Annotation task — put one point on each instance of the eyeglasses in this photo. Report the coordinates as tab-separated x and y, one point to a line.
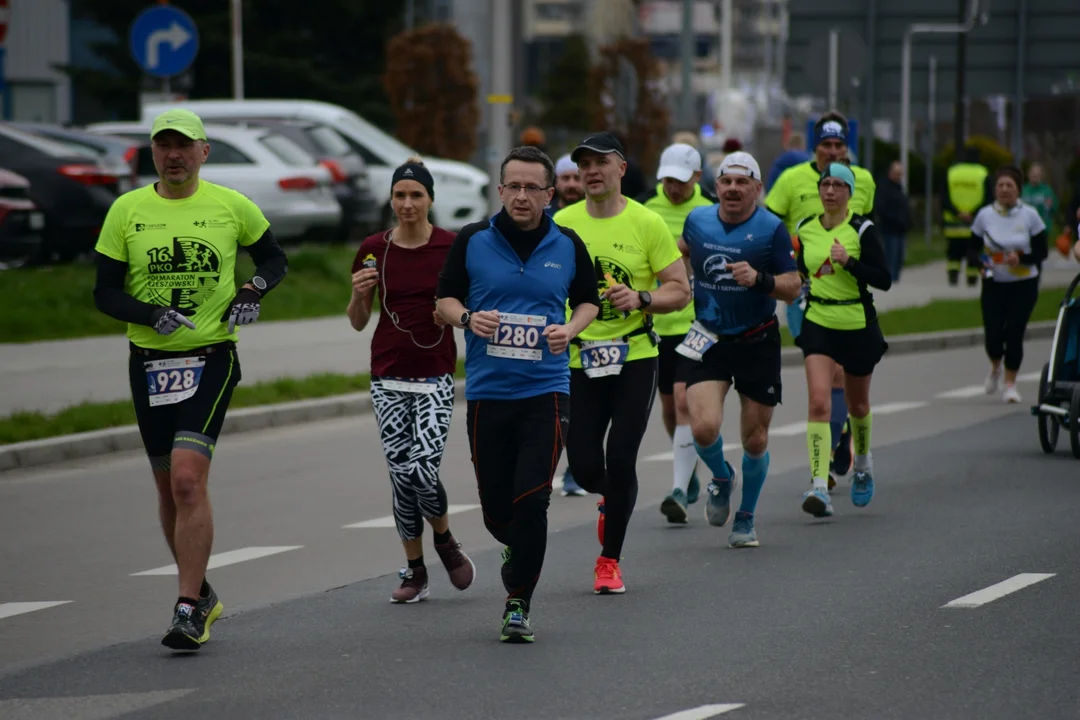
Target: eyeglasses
834	184
515	189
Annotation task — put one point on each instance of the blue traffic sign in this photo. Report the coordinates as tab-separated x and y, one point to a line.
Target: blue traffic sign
164	40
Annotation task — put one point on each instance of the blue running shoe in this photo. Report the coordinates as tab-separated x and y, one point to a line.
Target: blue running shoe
718	506
674	507
570	488
817	502
693	490
862	488
742	531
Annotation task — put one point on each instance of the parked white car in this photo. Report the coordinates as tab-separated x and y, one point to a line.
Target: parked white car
460	189
293	190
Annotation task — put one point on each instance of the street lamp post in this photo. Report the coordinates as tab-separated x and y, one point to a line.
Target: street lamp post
905	79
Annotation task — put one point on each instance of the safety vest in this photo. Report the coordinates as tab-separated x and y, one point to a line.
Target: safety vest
967	193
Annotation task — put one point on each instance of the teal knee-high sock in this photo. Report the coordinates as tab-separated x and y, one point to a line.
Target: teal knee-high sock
754	470
713	457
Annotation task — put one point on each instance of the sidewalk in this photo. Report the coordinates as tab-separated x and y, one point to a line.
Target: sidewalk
49	376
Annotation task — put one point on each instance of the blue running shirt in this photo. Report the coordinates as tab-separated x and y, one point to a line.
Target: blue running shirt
720	304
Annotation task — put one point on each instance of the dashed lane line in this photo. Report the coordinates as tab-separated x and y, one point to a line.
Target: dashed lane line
227	558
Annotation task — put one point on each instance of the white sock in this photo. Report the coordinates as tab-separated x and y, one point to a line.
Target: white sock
685	457
864	463
821	483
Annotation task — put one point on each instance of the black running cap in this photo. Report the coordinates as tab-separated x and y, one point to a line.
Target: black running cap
602	143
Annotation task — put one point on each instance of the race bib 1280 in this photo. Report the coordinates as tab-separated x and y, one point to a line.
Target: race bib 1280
601	358
697	342
173	380
518	337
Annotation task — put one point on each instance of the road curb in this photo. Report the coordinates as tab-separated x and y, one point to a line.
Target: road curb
36	453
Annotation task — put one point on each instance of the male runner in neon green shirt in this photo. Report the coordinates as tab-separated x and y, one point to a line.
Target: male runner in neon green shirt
166	266
677	193
613	362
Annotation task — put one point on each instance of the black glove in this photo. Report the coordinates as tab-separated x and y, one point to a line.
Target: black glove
167	320
244	309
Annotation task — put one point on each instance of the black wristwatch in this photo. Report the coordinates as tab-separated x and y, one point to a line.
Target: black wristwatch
465	318
645	298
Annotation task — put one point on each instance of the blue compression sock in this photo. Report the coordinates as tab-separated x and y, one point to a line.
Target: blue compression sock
754	471
839	415
713	457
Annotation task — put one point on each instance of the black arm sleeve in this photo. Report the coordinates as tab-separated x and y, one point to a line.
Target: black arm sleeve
270	261
1040	249
111	298
583	286
454	278
871	268
976	245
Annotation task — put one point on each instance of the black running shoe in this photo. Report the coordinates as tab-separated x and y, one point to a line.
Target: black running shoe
186	630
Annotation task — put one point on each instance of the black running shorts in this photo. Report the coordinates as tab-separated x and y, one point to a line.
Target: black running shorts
752	366
857	351
201	383
669	365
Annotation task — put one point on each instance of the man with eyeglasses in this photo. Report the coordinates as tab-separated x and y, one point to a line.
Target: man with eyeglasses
613	374
507	281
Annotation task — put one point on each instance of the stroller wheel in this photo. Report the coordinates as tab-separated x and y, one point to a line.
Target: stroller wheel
1048	424
1074	422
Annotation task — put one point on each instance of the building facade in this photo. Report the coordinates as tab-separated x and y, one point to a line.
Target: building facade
38	44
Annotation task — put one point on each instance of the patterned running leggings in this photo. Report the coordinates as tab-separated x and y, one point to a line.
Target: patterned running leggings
413	427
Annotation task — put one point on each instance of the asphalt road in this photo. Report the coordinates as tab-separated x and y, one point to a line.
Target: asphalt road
836	618
50	376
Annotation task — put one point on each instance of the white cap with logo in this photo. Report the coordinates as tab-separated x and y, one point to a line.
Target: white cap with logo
740	163
679	161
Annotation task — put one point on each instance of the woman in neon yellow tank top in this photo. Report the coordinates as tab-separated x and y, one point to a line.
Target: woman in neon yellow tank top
841	256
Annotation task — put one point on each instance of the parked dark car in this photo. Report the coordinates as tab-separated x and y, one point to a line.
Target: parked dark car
21	222
114	153
359	208
73	190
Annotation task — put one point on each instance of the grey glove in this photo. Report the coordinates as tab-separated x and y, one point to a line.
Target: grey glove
167	320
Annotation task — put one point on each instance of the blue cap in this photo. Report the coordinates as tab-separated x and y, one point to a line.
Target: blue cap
830	129
841	171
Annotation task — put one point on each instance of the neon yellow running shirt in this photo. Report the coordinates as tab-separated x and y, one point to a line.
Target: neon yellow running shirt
182	253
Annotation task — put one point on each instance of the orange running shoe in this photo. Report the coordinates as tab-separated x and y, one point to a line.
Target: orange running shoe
608	577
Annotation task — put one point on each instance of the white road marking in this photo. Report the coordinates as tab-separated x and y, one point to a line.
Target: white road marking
703	712
897	407
1000	590
799	428
12	609
227	558
969	391
388	521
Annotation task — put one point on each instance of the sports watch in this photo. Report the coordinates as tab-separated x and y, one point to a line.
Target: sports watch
465	318
645	298
259	284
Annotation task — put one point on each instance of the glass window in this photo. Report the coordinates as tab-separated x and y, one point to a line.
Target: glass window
328	141
289	152
222	153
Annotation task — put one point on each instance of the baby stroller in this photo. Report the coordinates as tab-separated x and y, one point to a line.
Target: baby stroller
1059	385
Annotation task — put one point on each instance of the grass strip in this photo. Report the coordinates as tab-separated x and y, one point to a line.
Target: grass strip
56	302
23	426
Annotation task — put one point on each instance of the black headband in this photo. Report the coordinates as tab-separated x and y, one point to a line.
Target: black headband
417	172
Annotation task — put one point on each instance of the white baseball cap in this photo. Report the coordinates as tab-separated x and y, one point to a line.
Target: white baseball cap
565	165
679	161
739	163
